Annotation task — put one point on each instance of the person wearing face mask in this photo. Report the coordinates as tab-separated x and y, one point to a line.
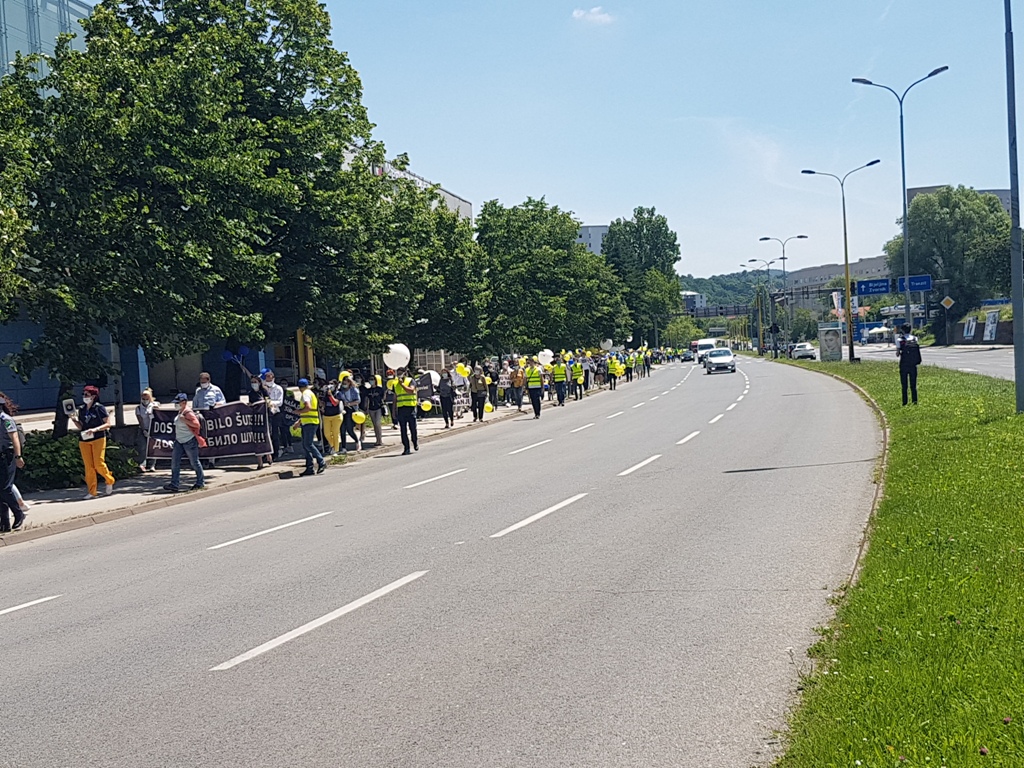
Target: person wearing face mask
348	395
208	395
279	433
446	391
255	396
93	423
331	416
372	404
187	442
478	392
144	415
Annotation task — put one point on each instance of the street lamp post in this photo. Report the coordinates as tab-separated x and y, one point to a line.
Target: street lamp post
771	310
785	282
760	313
903	162
846	247
1016	260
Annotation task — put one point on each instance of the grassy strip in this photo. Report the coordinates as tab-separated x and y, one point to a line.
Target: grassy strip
924	664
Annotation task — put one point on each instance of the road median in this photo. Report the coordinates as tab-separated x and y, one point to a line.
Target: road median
921	665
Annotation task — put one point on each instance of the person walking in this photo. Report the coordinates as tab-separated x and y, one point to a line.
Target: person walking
908	350
372	404
348	395
478	392
518	379
560	376
255	395
144	416
535	384
10	462
93	423
405	405
613	372
492	385
280	435
446	391
188	439
505	383
331	417
309	419
630	359
577	375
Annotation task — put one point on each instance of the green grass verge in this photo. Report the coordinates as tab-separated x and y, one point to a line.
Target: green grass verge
925	658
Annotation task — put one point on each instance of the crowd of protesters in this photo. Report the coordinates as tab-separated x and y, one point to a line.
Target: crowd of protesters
326	417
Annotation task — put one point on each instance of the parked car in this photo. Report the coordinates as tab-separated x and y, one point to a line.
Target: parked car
719	360
687	356
805	351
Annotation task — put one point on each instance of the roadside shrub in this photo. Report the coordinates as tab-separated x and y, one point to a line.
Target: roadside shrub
51	464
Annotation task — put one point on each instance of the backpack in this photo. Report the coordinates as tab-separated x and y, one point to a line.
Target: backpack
911	351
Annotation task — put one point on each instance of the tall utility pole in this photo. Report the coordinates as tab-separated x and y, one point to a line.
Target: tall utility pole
785	282
1016	262
846	250
903	162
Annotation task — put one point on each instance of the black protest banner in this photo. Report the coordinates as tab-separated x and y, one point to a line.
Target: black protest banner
424	387
230	430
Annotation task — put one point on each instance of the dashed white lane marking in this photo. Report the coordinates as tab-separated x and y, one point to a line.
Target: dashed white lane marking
740	398
616	414
30	604
271	644
269	530
733	405
643	463
439	477
535	445
688	438
665	392
716	418
580	429
654	398
538	516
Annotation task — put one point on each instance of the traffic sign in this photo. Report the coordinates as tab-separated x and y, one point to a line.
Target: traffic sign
917	283
873	287
947	303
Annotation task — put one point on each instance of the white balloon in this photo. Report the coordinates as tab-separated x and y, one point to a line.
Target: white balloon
545	356
435	377
630	338
607	344
397	356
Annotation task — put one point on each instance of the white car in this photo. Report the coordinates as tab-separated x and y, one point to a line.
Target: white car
719	360
805	351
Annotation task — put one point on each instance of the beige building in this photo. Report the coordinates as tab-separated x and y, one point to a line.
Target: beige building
803	284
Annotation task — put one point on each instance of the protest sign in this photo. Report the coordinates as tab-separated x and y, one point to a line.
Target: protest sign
230	430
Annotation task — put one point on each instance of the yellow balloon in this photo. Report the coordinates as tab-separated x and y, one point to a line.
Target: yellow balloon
579	379
358	417
425	405
522	362
488	379
462	370
547	367
488	407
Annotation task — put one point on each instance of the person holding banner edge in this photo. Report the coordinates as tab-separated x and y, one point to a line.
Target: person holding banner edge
187	441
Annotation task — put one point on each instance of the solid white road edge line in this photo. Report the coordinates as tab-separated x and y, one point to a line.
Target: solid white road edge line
716	418
688	438
270	645
643	463
580	429
439	477
538	516
269	530
733	405
616	414
520	450
29	605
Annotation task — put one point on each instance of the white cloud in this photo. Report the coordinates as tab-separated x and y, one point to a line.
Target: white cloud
596	15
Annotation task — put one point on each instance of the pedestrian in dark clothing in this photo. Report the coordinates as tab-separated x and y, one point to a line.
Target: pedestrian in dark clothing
908	350
446	391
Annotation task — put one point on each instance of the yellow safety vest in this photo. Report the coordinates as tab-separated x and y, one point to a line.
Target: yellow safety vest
533	378
313	416
577	370
404	398
559	371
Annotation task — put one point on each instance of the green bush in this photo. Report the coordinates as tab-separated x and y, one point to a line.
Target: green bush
53	463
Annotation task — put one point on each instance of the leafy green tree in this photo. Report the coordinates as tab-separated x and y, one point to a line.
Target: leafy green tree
960	235
805	325
643	251
680	331
543	289
732	288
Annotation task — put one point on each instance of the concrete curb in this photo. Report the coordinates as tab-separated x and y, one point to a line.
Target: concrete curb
171	500
882	466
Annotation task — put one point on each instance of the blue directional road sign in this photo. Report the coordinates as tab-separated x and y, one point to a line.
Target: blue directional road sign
917	283
873	287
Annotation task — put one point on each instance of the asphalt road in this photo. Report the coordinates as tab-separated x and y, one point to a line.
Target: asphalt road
656	615
990	361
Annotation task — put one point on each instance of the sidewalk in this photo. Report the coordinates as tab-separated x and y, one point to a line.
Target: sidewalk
64	509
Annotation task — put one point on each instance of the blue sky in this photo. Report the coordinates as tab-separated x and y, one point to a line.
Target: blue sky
705	109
